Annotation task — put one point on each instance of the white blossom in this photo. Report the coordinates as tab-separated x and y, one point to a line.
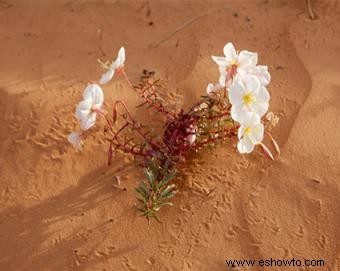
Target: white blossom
261	72
86	109
246	94
234	63
115	65
75	139
192	134
250	132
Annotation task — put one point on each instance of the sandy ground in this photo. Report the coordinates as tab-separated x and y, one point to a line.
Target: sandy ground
59	210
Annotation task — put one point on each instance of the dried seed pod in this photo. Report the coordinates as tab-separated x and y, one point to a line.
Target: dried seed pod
266	152
275	145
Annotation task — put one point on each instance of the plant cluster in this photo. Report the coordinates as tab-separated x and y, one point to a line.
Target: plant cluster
235	107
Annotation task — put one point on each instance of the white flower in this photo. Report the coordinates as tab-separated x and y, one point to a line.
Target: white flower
85	111
233	63
192	134
212	87
115	65
250	133
262	74
75	139
247	95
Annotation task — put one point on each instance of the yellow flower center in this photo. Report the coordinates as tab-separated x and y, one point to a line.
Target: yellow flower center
248	99
234	63
247	131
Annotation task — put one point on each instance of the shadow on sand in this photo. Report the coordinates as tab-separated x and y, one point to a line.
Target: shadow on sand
24	231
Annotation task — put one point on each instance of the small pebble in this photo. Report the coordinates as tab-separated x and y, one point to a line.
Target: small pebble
316	180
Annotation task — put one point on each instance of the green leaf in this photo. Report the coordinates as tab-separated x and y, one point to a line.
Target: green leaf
165	203
169	176
167	191
150	177
154	168
169	195
166	179
143	190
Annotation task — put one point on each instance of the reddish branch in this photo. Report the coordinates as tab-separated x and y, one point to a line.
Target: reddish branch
134	125
147	97
216	135
179	127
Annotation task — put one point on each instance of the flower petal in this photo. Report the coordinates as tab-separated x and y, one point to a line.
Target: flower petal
236	92
95	93
220	61
257	133
83	109
73	137
249	119
192	134
88	121
261	104
238	111
240	131
260	108
263	95
120	58
252	83
247	59
75	140
230	52
245	145
106	77
222	79
262	73
191	138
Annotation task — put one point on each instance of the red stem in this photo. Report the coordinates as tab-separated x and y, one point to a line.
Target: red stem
118	145
219	115
135	124
159	107
127	149
229	132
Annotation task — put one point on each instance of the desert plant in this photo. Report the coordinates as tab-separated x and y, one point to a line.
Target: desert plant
233	107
